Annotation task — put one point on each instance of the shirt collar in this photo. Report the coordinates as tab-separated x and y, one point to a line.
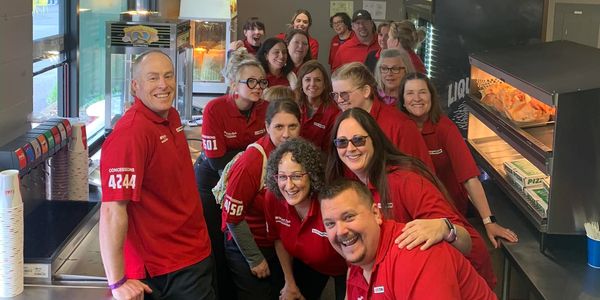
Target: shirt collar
428	127
138	105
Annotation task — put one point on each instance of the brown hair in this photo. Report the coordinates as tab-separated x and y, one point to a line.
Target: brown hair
406	32
278	92
307	68
436	110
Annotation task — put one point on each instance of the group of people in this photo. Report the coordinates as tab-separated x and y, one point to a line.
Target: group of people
356	176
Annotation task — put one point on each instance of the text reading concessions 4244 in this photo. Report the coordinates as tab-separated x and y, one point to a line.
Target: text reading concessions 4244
121	178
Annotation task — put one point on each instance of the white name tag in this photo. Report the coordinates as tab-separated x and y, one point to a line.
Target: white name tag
378	290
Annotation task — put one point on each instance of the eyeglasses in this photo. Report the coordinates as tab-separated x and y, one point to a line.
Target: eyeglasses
253	82
296	177
344	95
357	141
394	70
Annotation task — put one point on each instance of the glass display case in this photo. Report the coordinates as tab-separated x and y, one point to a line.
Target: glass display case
211	42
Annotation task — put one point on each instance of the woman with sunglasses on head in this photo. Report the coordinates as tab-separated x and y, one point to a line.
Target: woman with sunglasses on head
297	42
294	177
318	111
404	188
389	71
453	161
274	58
302	20
250	255
230	123
354	87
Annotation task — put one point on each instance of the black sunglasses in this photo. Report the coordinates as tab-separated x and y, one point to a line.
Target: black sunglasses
357	141
253	82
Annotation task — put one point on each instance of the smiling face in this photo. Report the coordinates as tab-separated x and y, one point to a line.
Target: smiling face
298	48
295	192
390	80
417	99
352	227
338	25
382	36
357	96
284	126
363	30
301	22
245	93
277	57
313	85
154	83
355	158
254	36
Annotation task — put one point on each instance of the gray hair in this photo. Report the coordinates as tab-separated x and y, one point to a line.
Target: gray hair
393	53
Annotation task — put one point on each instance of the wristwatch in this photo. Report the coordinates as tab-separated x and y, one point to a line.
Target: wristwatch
451	237
488	220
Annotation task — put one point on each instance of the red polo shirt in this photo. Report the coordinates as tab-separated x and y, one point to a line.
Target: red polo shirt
353	50
417	62
439	272
277	80
402	131
335	44
414	197
317	128
305	239
224	128
312	43
251	49
453	161
242	199
146	159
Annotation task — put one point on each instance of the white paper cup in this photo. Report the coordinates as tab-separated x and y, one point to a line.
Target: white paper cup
10	191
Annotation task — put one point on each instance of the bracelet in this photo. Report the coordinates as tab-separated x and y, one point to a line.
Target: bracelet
118	284
451	238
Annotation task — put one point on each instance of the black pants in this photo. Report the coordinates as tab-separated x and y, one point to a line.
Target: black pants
250	287
206	179
311	283
194	283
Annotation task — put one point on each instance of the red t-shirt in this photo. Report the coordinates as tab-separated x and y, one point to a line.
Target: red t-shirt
146	159
277	80
305	239
439	272
336	42
317	129
225	129
402	131
242	199
414	197
312	43
453	161
251	49
353	50
417	62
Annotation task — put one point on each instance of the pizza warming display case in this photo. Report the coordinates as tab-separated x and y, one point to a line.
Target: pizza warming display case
535	127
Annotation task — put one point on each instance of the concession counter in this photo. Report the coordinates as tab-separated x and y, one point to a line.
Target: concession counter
534	126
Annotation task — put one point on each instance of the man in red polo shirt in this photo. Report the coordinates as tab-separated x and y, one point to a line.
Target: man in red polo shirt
153	237
363	41
381	270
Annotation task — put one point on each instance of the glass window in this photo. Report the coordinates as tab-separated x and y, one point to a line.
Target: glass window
45	95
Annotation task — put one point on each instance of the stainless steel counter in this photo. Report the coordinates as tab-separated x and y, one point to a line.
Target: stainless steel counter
559	273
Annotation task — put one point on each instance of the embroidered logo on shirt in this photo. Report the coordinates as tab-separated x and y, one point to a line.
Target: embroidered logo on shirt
282	221
179	129
319	125
378	290
436	152
164	138
319	233
260	132
230	135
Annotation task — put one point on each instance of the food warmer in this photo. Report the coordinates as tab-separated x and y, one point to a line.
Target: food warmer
537	107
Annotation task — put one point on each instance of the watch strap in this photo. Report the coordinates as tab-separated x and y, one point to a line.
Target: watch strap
488	220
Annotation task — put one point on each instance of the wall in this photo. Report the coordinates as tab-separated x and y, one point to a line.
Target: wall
277	13
16	87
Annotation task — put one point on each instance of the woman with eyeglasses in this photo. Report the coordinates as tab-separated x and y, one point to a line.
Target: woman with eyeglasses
251	258
453	161
405	36
354	87
298	50
274	58
318	111
294	177
230	123
404	188
342	25
302	20
389	71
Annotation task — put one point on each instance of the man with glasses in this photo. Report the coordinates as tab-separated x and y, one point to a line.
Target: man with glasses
363	41
153	237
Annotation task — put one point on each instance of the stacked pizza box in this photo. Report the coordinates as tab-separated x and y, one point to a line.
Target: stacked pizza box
534	184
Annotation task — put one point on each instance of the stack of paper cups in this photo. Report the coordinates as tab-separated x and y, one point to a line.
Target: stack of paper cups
57	176
11	234
78	164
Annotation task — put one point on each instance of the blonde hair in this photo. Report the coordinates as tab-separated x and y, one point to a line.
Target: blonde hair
278	92
358	74
406	32
238	60
393	53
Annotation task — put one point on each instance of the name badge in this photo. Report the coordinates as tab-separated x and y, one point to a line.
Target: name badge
378	290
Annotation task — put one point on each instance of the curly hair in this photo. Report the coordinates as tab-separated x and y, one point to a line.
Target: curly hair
304	153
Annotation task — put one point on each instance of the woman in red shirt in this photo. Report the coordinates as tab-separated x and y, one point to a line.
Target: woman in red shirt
389	71
405	189
404	35
294	177
297	43
302	20
274	58
251	257
342	25
318	111
453	161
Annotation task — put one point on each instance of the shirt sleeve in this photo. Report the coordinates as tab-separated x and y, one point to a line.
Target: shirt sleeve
213	141
122	165
460	157
242	185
